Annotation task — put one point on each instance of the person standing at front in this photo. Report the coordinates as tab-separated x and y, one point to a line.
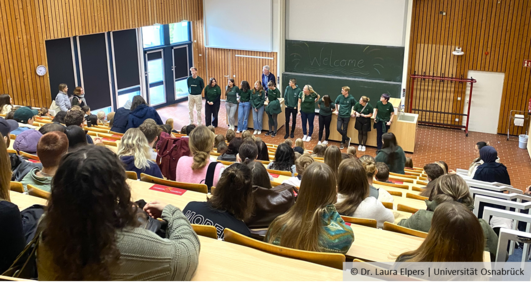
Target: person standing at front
345	102
267	77
244	106
363	112
195	88
231	105
273	108
213	96
383	115
291	99
326	106
257	102
307	101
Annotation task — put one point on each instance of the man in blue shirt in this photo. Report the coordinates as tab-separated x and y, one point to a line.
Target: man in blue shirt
267	76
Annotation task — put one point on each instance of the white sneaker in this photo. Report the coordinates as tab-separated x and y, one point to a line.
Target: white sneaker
238	132
363	150
309	138
304	138
256	131
360	148
319	143
325	143
259	132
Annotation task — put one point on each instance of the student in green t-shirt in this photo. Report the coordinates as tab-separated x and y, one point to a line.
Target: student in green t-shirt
257	103
212	103
244	107
383	115
231	105
326	106
195	88
344	103
307	101
291	99
363	112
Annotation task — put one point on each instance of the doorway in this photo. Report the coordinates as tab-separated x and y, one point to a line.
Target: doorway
486	101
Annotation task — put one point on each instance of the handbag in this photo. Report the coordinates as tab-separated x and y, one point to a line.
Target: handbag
25	265
270	203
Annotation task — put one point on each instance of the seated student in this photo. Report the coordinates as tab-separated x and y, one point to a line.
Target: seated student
77	138
298	150
230	135
232	150
263	153
444	166
478	161
59	117
433	171
152	132
6	104
20	167
299	143
289	142
221	148
370	169
101	117
121	118
91	119
27	141
140	111
51	127
313	223
212	128
183	130
409	163
12	239
25	117
490	170
110	118
43	112
134	151
318	151
10	115
392	154
230	204
195	169
351	152
76	117
382	173
345	156
189	129
284	159
247	151
450	188
260	175
455	235
51	149
301	164
90	193
169	122
332	158
247	134
218	139
353	194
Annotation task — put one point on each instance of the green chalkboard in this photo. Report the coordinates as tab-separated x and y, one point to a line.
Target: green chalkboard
332	86
382	63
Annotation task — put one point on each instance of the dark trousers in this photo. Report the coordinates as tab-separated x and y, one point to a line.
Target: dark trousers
293	112
307	118
273	123
324	124
342	127
379	133
211	114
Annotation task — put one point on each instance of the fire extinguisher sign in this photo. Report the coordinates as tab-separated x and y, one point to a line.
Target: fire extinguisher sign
527	63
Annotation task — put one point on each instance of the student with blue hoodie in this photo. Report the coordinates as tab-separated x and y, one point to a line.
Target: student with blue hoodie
140	111
121	117
135	153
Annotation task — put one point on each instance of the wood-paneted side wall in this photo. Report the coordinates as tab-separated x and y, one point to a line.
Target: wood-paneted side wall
495	36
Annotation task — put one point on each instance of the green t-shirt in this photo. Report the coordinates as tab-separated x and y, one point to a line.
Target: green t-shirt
323	110
232	95
368	108
195	86
44	183
292	96
384	111
245	96
345	105
212	94
308	102
257	99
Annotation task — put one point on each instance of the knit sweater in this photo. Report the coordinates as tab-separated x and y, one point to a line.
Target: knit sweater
336	236
144	255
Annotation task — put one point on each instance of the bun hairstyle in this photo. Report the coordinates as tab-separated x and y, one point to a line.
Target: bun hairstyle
201	142
365	99
302	163
369	164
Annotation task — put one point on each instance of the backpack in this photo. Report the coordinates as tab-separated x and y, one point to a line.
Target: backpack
169	151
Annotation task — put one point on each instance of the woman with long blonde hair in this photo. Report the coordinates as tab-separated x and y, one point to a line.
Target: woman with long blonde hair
257	104
332	158
313	223
455	235
307	102
195	169
135	153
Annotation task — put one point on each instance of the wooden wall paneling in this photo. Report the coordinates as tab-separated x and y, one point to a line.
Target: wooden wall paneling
15	57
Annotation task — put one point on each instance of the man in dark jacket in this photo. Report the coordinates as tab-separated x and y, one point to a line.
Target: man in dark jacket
140	114
121	117
267	76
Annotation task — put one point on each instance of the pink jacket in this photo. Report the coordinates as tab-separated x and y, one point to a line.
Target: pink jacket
186	174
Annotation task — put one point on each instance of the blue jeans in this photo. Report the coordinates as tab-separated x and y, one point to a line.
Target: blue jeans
257	118
307	118
243	115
